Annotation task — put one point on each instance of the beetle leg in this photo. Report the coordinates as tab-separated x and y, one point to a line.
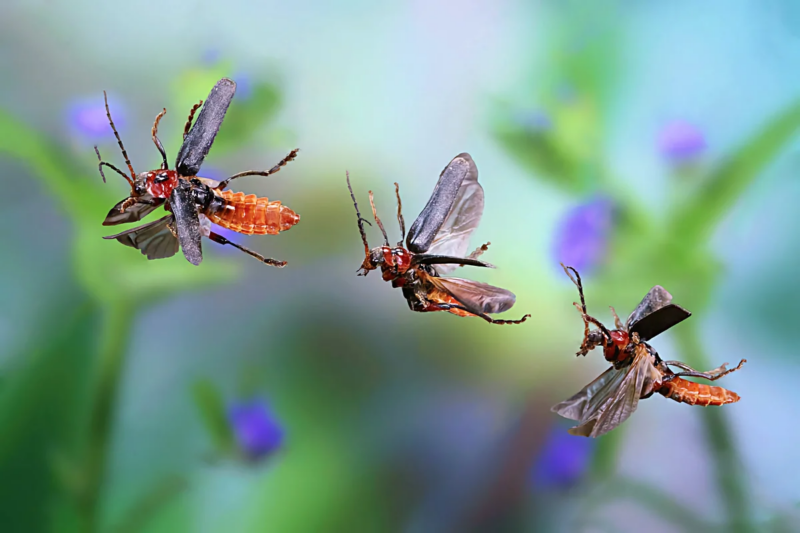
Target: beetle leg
479	251
222	240
446	307
711	375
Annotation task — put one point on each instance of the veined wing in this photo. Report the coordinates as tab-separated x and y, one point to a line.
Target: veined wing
154	240
610	399
187	222
475	296
134	212
200	138
464	217
452	212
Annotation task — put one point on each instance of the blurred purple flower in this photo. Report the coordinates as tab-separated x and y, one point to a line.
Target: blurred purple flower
582	235
244	85
211	56
86	118
536	120
255	428
562	460
679	141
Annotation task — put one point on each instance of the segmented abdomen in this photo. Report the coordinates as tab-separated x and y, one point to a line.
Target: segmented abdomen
251	215
684	391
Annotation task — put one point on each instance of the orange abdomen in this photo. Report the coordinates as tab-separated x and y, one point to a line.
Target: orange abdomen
442	297
251	215
684	391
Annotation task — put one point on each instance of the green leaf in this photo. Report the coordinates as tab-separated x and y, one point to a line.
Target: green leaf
211	408
696	219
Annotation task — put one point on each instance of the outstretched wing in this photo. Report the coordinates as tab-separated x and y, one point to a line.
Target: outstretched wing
655	314
200	138
659	321
187	222
154	240
475	296
611	398
133	213
452	212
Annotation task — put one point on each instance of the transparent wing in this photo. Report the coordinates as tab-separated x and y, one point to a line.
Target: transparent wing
610	399
475	296
462	220
657	298
132	213
154	240
452	212
201	136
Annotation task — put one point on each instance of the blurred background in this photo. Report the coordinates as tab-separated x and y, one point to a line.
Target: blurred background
643	143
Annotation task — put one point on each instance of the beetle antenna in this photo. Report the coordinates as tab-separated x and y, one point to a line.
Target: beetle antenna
576	279
109	165
154	133
378	220
361	221
400	218
121	147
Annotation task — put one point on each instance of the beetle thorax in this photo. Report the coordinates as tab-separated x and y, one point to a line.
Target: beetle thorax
159	183
396	262
615	350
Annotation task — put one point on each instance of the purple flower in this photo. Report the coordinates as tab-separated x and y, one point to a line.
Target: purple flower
562	460
86	118
255	428
244	85
679	141
582	235
536	120
211	56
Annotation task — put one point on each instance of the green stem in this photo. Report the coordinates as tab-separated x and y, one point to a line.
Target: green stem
111	356
731	481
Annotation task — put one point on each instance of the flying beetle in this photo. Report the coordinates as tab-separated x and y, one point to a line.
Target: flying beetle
637	371
437	244
193	203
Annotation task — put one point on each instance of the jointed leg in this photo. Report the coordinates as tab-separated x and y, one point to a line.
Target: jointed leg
188	125
222	240
479	251
273	170
157	142
711	375
432	306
